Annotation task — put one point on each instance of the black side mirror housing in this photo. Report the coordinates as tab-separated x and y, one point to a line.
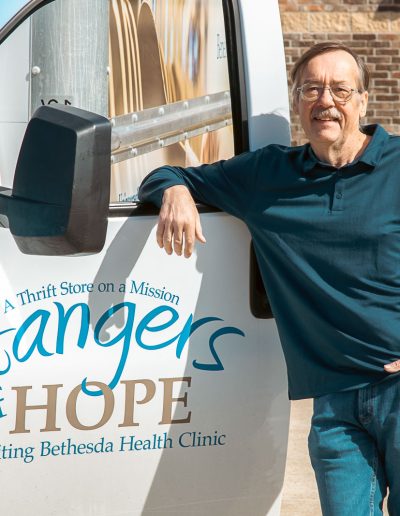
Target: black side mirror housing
60	197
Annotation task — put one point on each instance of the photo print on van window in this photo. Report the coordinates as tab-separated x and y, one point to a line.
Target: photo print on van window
165	52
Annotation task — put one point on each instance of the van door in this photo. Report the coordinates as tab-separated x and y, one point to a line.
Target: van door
133	382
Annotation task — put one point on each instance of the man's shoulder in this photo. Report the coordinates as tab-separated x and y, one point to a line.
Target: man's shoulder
394	139
392	147
388	140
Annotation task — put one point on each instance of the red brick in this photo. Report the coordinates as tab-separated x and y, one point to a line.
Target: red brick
341	37
364	37
379	91
389	8
384	67
380	105
292	52
361	50
381	59
387	52
376	44
379	75
386	82
387	97
294	37
388	37
386	113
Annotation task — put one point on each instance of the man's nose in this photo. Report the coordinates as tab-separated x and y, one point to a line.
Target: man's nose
326	97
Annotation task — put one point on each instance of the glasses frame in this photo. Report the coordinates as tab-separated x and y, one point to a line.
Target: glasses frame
321	89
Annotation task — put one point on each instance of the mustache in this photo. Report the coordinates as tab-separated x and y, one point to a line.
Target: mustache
327	113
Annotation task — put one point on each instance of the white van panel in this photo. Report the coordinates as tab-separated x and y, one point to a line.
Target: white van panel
14	86
242	408
266	82
14	94
11	136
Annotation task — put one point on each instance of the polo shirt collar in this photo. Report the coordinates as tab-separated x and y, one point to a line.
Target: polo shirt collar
373	152
370	156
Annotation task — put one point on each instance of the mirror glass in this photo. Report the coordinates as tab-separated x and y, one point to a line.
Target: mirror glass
9	8
158	68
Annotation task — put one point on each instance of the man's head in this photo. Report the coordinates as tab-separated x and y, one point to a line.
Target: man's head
330	84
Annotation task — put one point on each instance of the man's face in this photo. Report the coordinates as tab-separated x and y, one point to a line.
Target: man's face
326	120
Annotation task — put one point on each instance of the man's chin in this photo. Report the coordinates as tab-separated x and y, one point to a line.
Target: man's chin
325	132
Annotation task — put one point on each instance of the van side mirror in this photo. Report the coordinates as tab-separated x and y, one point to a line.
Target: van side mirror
60	197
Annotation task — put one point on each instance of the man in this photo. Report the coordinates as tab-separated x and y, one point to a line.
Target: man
325	221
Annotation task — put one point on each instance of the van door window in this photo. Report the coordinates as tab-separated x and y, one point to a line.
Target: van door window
157	68
168	88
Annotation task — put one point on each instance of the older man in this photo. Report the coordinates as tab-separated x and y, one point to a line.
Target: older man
325	221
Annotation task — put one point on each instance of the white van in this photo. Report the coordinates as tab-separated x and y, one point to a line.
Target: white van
132	382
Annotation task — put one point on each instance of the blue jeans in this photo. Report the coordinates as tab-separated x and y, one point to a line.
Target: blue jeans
354	446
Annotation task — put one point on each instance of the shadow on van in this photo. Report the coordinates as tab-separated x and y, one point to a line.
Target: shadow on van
229	459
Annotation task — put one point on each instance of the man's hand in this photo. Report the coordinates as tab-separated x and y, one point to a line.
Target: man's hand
393	367
179	222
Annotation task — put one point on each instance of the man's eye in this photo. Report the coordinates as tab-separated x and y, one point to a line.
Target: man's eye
341	90
312	89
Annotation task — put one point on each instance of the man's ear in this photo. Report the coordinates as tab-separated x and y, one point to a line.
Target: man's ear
364	103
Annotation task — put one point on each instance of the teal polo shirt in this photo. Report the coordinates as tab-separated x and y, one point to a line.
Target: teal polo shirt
328	245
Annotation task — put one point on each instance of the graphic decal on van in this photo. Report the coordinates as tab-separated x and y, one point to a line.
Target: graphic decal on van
56	327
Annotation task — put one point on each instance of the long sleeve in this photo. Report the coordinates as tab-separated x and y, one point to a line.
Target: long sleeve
228	185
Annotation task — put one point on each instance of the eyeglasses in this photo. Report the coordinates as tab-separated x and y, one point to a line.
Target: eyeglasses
311	92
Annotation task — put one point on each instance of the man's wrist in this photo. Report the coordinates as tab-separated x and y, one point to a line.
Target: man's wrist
172	190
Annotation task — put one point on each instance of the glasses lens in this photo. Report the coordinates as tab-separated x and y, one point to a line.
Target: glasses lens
341	92
313	91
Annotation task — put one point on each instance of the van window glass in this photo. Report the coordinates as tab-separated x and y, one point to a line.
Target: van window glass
168	74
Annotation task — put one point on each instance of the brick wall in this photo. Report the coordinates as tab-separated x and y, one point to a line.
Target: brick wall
370	27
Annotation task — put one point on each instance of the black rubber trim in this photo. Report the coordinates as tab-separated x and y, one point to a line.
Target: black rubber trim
236	68
259	303
21	16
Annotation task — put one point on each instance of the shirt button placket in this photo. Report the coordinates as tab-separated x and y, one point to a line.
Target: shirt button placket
337	204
